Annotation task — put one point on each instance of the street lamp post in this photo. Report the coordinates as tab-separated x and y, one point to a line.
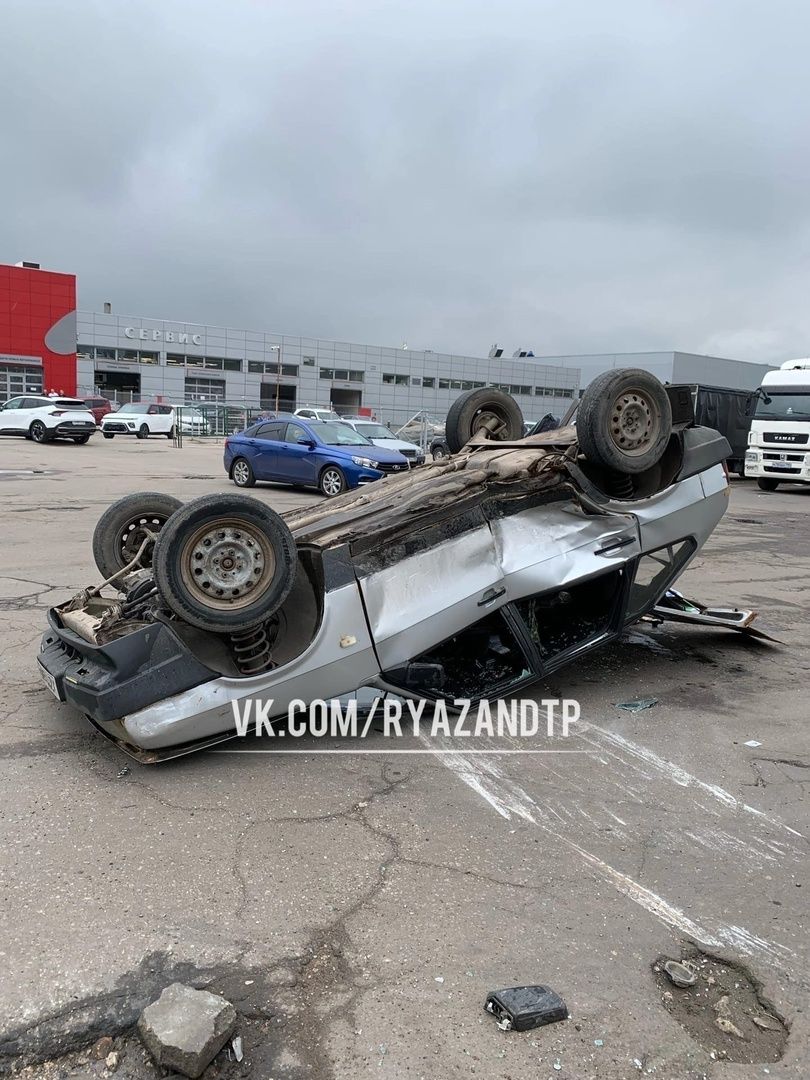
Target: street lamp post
278	376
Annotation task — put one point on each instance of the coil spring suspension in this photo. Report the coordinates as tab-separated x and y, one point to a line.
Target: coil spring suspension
620	485
251	648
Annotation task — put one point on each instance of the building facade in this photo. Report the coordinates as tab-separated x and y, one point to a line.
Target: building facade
132	357
672	367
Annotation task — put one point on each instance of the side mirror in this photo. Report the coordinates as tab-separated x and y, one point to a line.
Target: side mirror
306	442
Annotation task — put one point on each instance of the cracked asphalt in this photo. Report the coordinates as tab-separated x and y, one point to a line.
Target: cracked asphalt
357	909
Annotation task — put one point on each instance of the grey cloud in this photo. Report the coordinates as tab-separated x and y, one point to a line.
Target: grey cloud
576	178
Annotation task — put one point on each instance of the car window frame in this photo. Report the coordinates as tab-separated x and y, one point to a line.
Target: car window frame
268	425
295	442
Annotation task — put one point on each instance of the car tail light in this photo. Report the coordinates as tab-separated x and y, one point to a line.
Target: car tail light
58	412
227	442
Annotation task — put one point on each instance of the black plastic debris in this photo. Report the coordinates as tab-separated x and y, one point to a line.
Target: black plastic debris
519	1008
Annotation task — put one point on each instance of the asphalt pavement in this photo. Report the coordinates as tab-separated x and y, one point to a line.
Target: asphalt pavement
358	908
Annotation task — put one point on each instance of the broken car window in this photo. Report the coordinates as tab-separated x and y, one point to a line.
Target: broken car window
654	573
561	620
482	661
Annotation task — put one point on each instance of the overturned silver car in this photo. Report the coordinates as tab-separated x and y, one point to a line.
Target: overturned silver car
471	577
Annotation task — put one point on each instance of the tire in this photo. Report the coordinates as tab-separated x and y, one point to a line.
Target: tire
765	483
439	452
472	410
39	433
242	474
332	482
80	440
624	420
170	433
142	432
120	529
224	562
108	434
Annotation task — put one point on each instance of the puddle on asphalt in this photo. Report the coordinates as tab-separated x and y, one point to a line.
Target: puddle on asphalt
723	1010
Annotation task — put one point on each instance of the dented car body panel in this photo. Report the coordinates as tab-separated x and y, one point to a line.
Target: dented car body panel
507	544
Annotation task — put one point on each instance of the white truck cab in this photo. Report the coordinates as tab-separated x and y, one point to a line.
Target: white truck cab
779	440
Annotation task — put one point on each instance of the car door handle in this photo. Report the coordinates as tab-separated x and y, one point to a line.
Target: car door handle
614	545
490	596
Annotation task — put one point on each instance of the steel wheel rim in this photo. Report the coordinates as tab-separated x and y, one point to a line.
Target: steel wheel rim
227	565
633	419
241	473
332	482
133	534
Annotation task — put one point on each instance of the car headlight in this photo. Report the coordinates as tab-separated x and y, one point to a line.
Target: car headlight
365	462
751	455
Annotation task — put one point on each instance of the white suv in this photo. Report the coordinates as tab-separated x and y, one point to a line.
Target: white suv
316	412
141	419
44	419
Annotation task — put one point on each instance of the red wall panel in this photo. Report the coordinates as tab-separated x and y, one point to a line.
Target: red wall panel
32	302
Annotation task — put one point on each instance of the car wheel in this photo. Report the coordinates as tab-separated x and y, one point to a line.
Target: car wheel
108	434
624	420
142	432
170	433
224	562
439	453
80	440
242	474
764	483
124	526
332	482
486	413
39	433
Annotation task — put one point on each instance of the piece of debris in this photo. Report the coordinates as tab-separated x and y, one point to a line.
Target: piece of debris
728	1026
767	1023
638	705
438	978
122	772
753	742
519	1008
680	974
186	1028
111	1061
236	1043
598	1042
102	1047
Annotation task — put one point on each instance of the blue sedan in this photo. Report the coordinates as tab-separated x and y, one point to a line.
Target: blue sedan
329	456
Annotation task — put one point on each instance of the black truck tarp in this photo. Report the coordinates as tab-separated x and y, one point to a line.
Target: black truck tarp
727	411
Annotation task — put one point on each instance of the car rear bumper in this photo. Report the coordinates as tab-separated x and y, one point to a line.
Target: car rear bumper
74	427
112	680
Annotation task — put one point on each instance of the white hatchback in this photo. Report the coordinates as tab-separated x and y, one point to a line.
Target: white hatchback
141	419
44	419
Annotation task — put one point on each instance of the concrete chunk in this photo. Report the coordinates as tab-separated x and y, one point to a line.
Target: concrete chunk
185	1028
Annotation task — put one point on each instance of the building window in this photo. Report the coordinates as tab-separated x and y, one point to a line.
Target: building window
103	353
175	358
429	383
147	357
326	373
205	389
85	352
416	381
342	374
397	380
309	361
444	384
356	375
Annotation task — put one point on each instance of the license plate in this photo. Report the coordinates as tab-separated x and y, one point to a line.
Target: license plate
49	681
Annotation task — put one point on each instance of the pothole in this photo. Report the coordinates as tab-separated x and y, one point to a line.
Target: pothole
723	1010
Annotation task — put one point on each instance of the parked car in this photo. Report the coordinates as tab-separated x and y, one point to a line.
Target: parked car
331	456
463	580
380	435
141	419
99	407
43	419
316	412
193	421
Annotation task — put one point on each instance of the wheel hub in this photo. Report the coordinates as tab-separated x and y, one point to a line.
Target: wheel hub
227	565
632	422
134	535
489	424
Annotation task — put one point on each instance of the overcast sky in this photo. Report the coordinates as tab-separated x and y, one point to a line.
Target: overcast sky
568	177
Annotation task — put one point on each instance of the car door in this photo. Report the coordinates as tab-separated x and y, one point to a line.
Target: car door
10	416
261	450
297	462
